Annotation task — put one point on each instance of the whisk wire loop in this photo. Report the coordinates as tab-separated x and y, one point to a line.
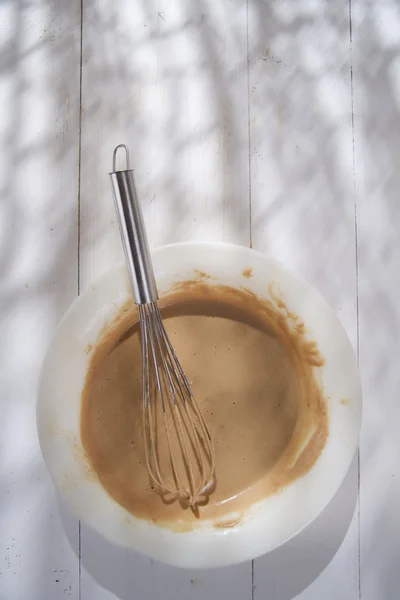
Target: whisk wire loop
190	453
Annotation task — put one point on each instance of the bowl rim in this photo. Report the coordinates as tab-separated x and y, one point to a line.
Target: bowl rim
218	547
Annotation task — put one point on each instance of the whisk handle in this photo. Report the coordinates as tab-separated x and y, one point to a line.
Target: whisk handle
133	234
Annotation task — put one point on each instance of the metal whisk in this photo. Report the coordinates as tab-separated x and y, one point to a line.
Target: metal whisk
178	446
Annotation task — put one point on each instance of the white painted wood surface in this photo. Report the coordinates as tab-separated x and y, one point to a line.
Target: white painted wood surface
39	91
244	127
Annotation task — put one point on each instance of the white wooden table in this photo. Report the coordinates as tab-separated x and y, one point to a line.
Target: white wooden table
272	123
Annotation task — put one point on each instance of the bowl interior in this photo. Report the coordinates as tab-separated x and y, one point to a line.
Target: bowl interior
267	524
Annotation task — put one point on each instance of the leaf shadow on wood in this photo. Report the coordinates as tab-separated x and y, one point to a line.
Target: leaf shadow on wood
39	70
376	34
301	144
174	88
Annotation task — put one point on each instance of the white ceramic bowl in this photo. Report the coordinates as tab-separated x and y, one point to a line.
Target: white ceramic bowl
267	524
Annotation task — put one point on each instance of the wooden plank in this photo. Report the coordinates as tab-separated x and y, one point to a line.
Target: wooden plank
302	213
39	91
376	34
170	79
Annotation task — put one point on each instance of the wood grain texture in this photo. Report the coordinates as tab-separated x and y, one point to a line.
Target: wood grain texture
170	79
376	36
38	221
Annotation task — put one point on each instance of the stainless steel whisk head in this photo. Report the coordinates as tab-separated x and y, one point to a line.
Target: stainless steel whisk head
168	402
178	446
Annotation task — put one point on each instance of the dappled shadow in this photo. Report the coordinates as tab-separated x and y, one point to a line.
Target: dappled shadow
174	87
195	90
301	145
39	69
377	103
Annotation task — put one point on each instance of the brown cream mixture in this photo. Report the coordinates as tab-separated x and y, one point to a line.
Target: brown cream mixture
254	373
